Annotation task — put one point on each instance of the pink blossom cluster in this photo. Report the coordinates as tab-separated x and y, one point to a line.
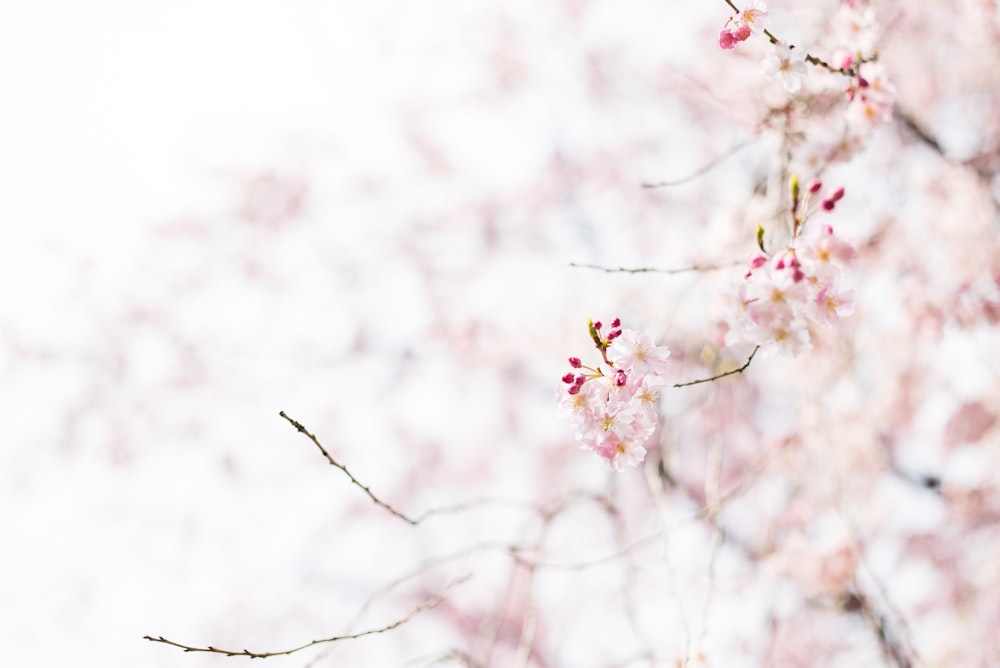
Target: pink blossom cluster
782	294
870	97
613	405
739	27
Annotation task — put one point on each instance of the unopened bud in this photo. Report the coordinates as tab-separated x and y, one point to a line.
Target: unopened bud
838	194
815	186
620	378
568	378
829	204
575	362
616	322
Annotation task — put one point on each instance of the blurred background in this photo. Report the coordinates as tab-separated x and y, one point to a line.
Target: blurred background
364	215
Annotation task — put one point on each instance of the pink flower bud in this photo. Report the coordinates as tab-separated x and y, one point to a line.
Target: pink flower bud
727	40
842	59
815	186
838	194
758	262
615	333
620	378
598	325
580	380
616	322
568	378
862	82
742	33
575	362
829	204
574	389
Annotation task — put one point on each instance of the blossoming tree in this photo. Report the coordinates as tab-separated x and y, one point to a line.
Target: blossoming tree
789	428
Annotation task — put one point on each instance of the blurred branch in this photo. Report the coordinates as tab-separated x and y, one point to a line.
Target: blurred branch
426	605
985	164
701	170
892	647
343	468
654	270
911	124
722	375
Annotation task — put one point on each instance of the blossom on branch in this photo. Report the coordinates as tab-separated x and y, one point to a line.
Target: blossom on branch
752	20
786	64
613	405
782	294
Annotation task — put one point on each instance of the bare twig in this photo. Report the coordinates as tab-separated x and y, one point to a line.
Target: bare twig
701	170
655	270
426	605
722	375
334	462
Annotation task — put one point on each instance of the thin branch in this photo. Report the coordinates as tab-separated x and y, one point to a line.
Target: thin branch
426	605
892	649
910	123
722	375
701	170
847	72
655	270
334	462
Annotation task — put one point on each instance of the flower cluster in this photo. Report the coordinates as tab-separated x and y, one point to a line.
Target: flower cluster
613	405
782	293
739	27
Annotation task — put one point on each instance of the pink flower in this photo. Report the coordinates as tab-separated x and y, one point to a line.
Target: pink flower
620	452
871	98
637	353
727	40
614	406
824	254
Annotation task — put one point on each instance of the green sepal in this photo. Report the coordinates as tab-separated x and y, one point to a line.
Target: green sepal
595	335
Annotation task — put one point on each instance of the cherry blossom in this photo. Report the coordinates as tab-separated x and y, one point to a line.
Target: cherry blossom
755	16
613	405
786	65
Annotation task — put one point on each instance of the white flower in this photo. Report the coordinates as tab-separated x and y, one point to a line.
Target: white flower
755	16
636	352
786	64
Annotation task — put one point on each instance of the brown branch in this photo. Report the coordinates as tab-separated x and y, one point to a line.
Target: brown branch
343	468
426	605
655	270
848	72
722	375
